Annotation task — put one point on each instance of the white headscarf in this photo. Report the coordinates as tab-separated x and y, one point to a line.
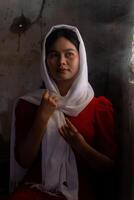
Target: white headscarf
59	170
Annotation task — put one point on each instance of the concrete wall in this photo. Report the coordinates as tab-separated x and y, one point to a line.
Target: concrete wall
105	26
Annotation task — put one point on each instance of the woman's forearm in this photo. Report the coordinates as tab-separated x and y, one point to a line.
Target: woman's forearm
27	150
96	160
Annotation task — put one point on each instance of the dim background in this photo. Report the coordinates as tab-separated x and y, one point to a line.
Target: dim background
106	27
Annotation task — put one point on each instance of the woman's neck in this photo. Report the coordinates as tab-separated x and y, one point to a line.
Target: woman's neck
64	87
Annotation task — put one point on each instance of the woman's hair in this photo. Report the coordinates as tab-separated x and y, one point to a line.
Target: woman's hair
61	32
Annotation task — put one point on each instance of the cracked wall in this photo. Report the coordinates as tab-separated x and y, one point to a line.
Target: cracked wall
106	29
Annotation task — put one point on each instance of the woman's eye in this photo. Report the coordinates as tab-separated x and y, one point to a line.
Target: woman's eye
53	55
69	54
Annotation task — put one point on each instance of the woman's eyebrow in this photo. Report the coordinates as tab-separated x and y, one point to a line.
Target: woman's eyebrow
69	50
64	50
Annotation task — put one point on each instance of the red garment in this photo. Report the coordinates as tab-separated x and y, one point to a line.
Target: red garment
25	193
96	124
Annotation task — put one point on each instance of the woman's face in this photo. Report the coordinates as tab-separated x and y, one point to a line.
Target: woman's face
63	61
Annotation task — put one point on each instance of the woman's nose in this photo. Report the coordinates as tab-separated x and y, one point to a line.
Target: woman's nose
62	60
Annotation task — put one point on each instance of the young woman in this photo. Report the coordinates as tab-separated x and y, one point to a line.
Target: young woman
63	138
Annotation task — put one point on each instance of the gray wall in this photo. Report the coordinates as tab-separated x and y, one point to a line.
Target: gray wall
106	29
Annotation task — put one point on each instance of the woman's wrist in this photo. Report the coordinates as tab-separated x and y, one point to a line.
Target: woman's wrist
42	117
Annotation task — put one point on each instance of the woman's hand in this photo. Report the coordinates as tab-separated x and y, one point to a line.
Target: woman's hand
48	106
96	160
71	135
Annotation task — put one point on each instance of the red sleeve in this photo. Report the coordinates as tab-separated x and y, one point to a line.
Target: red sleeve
25	113
24	117
106	131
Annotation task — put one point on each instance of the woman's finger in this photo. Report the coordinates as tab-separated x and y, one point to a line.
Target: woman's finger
45	94
71	126
54	99
65	130
61	131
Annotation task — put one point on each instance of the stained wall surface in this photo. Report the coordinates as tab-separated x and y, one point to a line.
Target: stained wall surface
106	29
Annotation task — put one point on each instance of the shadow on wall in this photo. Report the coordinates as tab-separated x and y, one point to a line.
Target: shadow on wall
115	19
4	167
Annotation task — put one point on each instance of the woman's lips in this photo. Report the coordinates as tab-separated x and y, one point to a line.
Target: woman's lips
62	70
